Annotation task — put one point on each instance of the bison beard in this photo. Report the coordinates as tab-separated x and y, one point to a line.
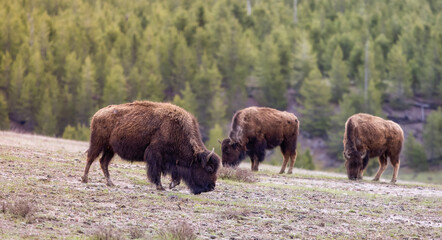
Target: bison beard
163	135
368	136
256	129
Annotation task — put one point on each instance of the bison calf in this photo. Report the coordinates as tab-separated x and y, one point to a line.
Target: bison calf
368	136
163	135
256	129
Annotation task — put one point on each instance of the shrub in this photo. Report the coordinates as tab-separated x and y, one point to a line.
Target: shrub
79	132
236	174
106	233
305	160
178	231
21	208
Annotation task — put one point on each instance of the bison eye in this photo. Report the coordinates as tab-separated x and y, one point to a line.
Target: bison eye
209	169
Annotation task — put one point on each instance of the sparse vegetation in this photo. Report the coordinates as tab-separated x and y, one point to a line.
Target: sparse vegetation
236	174
306	204
177	231
22	208
107	233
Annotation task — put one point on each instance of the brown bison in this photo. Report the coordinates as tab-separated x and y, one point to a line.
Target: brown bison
163	135
256	129
368	136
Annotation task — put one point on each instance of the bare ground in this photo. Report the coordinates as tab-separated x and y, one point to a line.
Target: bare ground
46	172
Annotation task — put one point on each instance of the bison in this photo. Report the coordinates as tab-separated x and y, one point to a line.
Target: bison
256	129
163	135
368	136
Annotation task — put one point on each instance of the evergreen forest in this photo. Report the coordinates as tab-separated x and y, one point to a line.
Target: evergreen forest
62	60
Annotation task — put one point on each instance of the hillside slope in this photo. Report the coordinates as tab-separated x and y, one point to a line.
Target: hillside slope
44	174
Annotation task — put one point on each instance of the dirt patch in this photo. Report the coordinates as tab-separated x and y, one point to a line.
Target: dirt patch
304	205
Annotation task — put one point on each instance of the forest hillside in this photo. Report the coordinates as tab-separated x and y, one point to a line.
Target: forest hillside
324	60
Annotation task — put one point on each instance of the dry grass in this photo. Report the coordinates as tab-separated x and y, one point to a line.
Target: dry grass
232	213
106	233
236	174
136	233
20	208
178	231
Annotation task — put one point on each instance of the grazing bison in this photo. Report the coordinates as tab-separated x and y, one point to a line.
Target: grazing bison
163	135
256	129
368	136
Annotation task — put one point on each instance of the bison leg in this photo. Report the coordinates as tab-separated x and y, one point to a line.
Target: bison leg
292	163
396	163
284	163
382	166
104	162
175	180
255	162
153	161
91	156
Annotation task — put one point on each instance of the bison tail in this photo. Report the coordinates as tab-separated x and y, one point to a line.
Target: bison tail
349	145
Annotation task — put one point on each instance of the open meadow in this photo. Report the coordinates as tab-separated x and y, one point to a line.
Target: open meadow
41	197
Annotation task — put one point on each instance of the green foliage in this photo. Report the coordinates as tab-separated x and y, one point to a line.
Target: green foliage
349	105
415	154
4	118
115	86
316	113
271	80
399	74
433	135
215	135
213	59
338	76
79	132
305	160
188	99
46	119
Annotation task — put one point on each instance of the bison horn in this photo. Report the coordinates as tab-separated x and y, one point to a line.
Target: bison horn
210	154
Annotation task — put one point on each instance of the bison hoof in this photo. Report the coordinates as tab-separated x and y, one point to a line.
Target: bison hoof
289	172
160	188
375	180
393	181
110	184
281	172
84	179
173	184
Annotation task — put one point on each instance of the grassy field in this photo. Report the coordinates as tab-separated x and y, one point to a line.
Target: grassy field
41	197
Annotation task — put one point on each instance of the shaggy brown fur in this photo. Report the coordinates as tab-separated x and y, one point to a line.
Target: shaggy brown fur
368	136
256	129
163	135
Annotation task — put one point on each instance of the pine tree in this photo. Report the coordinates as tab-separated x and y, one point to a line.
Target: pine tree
17	78
338	76
215	135
4	118
415	154
349	105
304	61
5	72
315	93
115	91
151	84
433	135
188	100
46	119
305	160
399	74
271	80
87	95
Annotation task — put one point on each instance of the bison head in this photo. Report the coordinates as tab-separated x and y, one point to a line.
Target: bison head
232	153
354	164
203	174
